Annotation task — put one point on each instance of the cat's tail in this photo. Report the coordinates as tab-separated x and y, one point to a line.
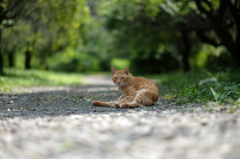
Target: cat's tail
98	103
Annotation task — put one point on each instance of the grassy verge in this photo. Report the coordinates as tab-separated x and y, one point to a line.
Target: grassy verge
28	78
219	90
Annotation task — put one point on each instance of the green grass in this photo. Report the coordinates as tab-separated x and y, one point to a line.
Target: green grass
28	78
212	89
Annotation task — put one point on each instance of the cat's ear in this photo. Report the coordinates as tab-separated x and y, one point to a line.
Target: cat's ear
126	70
113	70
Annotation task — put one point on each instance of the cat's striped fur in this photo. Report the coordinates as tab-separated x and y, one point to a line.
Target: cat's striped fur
136	91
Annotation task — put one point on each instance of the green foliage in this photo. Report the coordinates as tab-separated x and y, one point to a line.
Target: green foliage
140	27
223	92
201	86
45	27
120	30
147	32
73	61
120	64
98	44
68	18
224	60
16	78
89	35
214	58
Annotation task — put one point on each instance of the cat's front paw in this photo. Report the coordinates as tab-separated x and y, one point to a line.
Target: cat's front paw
118	105
115	103
121	106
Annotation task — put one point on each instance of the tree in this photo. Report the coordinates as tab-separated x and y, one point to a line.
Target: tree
224	17
146	29
55	24
10	10
13	39
186	23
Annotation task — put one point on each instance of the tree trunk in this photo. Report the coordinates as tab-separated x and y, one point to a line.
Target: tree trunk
27	59
1	55
11	59
186	50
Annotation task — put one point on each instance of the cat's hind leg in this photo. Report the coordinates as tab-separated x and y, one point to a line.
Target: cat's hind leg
127	99
98	103
133	104
144	97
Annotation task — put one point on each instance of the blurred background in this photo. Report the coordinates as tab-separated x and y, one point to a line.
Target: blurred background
149	36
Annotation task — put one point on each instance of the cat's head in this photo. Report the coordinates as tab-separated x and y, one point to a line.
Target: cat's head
120	77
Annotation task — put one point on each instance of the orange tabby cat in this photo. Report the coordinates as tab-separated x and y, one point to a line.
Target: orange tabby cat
136	91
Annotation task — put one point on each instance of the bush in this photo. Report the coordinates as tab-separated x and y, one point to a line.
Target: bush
222	61
76	62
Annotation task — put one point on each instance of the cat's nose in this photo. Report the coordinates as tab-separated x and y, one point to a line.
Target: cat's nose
118	82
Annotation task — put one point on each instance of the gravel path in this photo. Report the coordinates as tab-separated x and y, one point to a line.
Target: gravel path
60	123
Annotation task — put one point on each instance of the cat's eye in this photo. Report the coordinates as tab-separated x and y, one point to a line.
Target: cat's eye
115	77
122	77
